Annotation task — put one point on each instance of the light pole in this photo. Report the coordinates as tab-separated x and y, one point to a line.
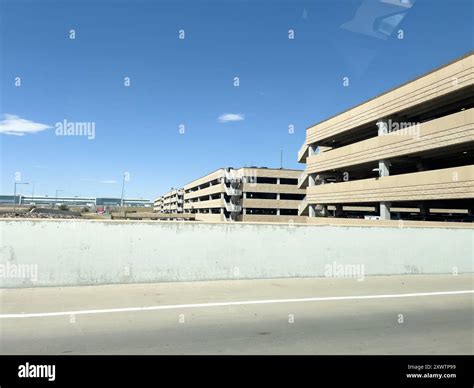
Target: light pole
14	192
56	198
123	189
33	192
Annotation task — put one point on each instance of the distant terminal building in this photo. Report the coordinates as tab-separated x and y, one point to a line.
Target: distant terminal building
129	202
405	154
73	201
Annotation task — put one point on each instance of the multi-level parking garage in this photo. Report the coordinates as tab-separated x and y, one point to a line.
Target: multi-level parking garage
158	204
404	154
245	194
171	202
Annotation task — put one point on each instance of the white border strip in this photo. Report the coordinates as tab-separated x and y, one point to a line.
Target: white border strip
220	304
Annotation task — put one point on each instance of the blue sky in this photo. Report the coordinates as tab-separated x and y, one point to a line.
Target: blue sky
190	82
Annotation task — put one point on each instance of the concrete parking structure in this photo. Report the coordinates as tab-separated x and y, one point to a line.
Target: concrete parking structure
409	148
245	194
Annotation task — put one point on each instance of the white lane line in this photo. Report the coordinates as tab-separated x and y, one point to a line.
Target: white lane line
220	304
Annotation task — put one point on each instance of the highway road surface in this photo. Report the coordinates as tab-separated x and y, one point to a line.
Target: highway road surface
413	314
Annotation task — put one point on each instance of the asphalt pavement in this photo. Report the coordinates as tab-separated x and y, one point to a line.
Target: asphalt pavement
413	314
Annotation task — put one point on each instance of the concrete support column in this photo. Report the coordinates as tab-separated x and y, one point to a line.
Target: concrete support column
382	126
278	196
244	195
278	181
312	150
384	210
278	212
244	211
311	182
384	169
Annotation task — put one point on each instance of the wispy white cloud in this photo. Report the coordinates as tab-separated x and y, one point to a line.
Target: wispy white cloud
14	125
226	117
103	181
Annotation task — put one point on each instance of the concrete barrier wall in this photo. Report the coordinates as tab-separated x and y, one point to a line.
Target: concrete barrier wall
86	252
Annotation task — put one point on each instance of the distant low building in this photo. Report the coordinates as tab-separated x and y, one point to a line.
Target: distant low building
108	201
73	201
9	199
